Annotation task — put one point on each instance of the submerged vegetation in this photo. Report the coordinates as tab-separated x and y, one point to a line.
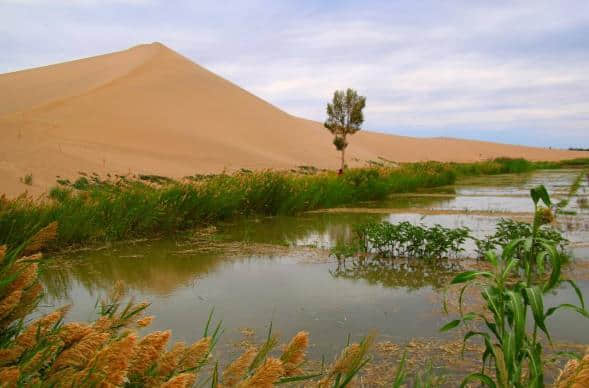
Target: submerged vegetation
91	209
404	240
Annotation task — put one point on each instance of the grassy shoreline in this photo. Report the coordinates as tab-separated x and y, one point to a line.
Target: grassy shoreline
90	210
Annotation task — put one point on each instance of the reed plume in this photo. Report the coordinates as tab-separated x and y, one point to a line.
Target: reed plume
544	216
28	338
145	321
294	354
41	238
103	324
346	359
9	303
73	332
148	351
168	363
575	374
183	380
38	360
266	375
80	354
9	376
28	302
117	292
110	365
195	354
351	359
34	257
27	275
238	368
9	355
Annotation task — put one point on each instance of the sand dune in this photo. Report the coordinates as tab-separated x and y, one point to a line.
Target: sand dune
151	110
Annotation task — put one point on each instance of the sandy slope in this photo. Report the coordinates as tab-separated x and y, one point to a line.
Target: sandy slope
150	110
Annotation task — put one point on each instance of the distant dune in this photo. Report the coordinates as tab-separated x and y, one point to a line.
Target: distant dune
150	110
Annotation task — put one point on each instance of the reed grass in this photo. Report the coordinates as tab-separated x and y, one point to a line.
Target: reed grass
108	352
91	210
574	374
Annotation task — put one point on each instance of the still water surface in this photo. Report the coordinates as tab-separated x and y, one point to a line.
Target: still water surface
295	285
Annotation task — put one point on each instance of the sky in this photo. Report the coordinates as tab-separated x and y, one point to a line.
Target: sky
507	71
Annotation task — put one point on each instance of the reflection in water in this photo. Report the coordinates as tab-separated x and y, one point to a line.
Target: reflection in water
318	229
156	272
399	273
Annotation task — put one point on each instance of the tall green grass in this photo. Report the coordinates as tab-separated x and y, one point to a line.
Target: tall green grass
95	210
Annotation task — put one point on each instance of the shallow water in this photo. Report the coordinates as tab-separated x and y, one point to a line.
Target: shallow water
299	288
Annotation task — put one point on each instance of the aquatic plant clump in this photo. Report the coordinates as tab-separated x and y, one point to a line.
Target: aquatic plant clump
412	241
406	240
508	230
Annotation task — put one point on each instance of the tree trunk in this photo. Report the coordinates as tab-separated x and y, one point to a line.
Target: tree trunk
343	159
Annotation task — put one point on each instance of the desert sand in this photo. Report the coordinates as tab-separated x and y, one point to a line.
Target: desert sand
150	110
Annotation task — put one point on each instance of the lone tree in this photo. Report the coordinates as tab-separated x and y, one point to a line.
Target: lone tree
344	117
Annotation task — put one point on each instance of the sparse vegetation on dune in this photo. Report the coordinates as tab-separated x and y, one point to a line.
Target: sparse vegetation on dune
90	210
27	179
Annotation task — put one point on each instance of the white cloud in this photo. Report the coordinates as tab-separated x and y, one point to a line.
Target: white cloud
440	67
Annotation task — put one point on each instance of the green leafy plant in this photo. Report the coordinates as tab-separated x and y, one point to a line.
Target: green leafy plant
508	229
513	291
405	240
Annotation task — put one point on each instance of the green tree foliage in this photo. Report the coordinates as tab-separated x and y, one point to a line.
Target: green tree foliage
344	117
